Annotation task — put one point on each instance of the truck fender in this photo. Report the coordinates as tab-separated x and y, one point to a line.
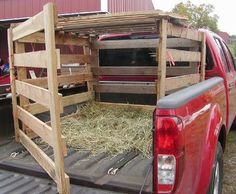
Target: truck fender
209	146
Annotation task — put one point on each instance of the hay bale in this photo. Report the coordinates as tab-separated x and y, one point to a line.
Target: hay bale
109	128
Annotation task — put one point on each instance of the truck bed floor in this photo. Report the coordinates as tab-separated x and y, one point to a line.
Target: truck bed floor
83	168
17	183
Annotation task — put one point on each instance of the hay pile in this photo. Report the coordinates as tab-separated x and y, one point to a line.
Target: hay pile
109	128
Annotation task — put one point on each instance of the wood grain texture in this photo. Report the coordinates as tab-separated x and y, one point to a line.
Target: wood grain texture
61	39
30	26
33	59
62	179
161	53
37	94
181	81
13	84
38	154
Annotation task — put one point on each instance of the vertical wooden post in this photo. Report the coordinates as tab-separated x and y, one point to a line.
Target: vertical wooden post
161	53
87	51
49	21
203	57
13	85
21	74
95	63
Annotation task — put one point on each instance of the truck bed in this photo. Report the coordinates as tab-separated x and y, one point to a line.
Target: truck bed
17	183
83	168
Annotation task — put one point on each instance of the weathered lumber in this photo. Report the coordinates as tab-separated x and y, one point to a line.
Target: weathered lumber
62	178
61	39
13	84
184	56
161	53
37	94
203	57
143	43
181	81
183	32
33	59
30	26
144	71
67	59
62	80
36	108
128	88
38	154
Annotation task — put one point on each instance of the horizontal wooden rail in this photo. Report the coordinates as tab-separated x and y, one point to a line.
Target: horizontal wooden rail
36	108
38	154
38	127
144	71
67	59
183	32
36	59
77	98
61	39
144	43
61	80
30	26
132	88
181	81
35	93
144	107
184	56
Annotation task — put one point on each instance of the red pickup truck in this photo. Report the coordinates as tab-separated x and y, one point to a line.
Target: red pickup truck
189	137
190	126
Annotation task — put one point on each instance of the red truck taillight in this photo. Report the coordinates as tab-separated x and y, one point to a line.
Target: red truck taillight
168	154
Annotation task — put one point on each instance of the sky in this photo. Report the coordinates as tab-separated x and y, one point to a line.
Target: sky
225	9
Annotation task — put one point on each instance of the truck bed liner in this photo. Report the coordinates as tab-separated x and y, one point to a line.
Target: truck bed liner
16	183
83	168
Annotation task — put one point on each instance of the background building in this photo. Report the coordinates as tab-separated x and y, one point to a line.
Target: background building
18	10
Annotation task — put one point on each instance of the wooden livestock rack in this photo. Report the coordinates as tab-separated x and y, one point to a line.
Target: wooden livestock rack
175	42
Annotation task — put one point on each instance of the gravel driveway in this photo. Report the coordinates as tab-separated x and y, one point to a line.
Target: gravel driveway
229	182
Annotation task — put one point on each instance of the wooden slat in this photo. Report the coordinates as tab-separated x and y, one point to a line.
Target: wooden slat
33	59
203	57
77	98
62	179
144	107
143	43
38	127
144	71
183	32
21	74
67	59
161	53
38	154
184	56
126	88
12	81
62	80
181	81
35	93
61	39
30	26
36	108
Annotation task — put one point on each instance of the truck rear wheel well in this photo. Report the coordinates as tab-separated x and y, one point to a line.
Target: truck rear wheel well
222	137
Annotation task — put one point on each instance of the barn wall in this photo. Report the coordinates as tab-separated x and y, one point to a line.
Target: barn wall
26	8
129	5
